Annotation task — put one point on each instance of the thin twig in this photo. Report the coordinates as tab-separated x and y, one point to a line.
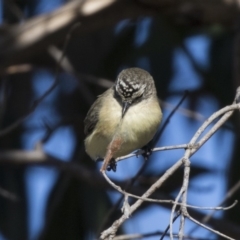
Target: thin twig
172	214
116	206
229	194
184	193
184	111
118	188
111	231
189	152
146	235
208	228
156	149
168	227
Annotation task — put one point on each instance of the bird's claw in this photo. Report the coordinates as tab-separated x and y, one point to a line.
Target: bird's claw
140	152
112	165
145	152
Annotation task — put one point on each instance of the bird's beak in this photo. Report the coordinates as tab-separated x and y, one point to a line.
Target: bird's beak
125	107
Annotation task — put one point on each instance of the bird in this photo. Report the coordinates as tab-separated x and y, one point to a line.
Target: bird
124	118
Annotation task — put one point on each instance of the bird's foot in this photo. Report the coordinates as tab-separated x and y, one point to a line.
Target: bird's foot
145	152
112	165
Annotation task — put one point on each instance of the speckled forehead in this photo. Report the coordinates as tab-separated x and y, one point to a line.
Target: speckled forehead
128	85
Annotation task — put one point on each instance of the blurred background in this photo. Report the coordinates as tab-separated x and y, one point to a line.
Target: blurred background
49	187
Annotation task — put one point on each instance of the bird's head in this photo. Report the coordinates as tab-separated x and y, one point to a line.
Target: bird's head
132	86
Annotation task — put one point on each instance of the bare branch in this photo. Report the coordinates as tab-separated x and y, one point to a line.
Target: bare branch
127	194
208	228
111	231
229	194
95	14
158	233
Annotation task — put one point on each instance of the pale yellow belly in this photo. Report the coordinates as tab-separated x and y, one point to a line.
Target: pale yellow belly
136	129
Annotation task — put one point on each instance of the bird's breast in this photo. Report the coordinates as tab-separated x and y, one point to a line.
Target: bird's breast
139	125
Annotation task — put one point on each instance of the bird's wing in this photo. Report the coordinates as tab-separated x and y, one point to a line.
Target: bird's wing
91	119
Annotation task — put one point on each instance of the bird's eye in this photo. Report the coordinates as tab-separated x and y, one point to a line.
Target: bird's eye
137	98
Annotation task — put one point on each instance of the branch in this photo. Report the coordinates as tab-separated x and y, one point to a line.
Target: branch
146	235
208	228
229	194
111	232
36	34
118	188
228	111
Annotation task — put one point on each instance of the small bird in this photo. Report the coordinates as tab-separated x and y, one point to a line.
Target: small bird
124	118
